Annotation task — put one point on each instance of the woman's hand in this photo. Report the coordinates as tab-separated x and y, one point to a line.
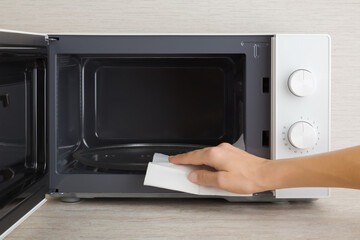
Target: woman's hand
240	172
236	170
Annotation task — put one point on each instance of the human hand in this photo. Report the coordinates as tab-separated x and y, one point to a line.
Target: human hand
236	170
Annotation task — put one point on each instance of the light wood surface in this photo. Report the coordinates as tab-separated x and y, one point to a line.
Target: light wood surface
334	218
337	217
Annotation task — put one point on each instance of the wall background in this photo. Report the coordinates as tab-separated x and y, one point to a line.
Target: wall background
339	18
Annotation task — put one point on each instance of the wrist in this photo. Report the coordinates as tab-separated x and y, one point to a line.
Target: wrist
274	174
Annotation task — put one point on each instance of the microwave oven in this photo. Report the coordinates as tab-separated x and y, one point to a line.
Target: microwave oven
81	115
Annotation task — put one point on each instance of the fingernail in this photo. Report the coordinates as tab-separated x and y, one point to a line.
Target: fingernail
193	177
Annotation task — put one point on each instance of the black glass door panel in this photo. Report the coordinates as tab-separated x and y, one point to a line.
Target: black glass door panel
23	179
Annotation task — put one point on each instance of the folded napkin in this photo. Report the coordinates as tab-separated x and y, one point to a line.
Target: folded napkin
163	174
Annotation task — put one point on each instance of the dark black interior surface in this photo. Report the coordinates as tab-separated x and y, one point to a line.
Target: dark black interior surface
14	112
174	99
130	157
171	100
22	160
169	103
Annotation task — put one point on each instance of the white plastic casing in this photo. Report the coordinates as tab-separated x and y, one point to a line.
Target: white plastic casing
306	105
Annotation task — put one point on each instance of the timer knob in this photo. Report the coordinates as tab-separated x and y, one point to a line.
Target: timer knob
302	83
302	135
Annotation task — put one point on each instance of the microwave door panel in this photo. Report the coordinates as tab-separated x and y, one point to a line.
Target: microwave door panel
10	38
23	179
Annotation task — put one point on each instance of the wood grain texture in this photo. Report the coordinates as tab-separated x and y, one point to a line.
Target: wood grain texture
334	218
337	217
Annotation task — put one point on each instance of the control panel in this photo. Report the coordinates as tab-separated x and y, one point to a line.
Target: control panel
300	89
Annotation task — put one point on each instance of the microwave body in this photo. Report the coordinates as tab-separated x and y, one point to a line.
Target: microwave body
82	114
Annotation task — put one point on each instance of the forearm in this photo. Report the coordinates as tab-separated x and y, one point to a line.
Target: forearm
334	169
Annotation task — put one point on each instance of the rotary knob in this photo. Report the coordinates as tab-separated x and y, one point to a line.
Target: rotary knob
302	83
302	135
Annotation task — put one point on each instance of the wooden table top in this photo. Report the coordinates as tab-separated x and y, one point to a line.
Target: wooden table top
337	217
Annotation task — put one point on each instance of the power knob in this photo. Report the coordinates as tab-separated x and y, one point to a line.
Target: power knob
302	83
302	135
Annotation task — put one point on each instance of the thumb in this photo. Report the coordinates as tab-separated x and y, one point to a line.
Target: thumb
205	178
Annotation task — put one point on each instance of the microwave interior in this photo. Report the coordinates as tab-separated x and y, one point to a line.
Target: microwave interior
115	101
115	111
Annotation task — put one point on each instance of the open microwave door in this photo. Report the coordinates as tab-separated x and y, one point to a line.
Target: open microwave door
23	175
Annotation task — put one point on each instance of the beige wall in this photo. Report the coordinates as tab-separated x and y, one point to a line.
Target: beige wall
339	18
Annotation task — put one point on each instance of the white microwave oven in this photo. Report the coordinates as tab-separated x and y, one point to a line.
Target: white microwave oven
82	114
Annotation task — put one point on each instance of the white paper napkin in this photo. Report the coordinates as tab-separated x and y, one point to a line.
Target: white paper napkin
163	174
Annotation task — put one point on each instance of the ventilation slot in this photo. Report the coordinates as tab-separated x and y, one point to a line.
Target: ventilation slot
266	138
266	85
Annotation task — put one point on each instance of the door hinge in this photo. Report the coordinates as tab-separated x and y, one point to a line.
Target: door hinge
51	39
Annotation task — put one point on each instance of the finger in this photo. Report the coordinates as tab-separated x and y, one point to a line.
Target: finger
207	178
212	156
187	158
